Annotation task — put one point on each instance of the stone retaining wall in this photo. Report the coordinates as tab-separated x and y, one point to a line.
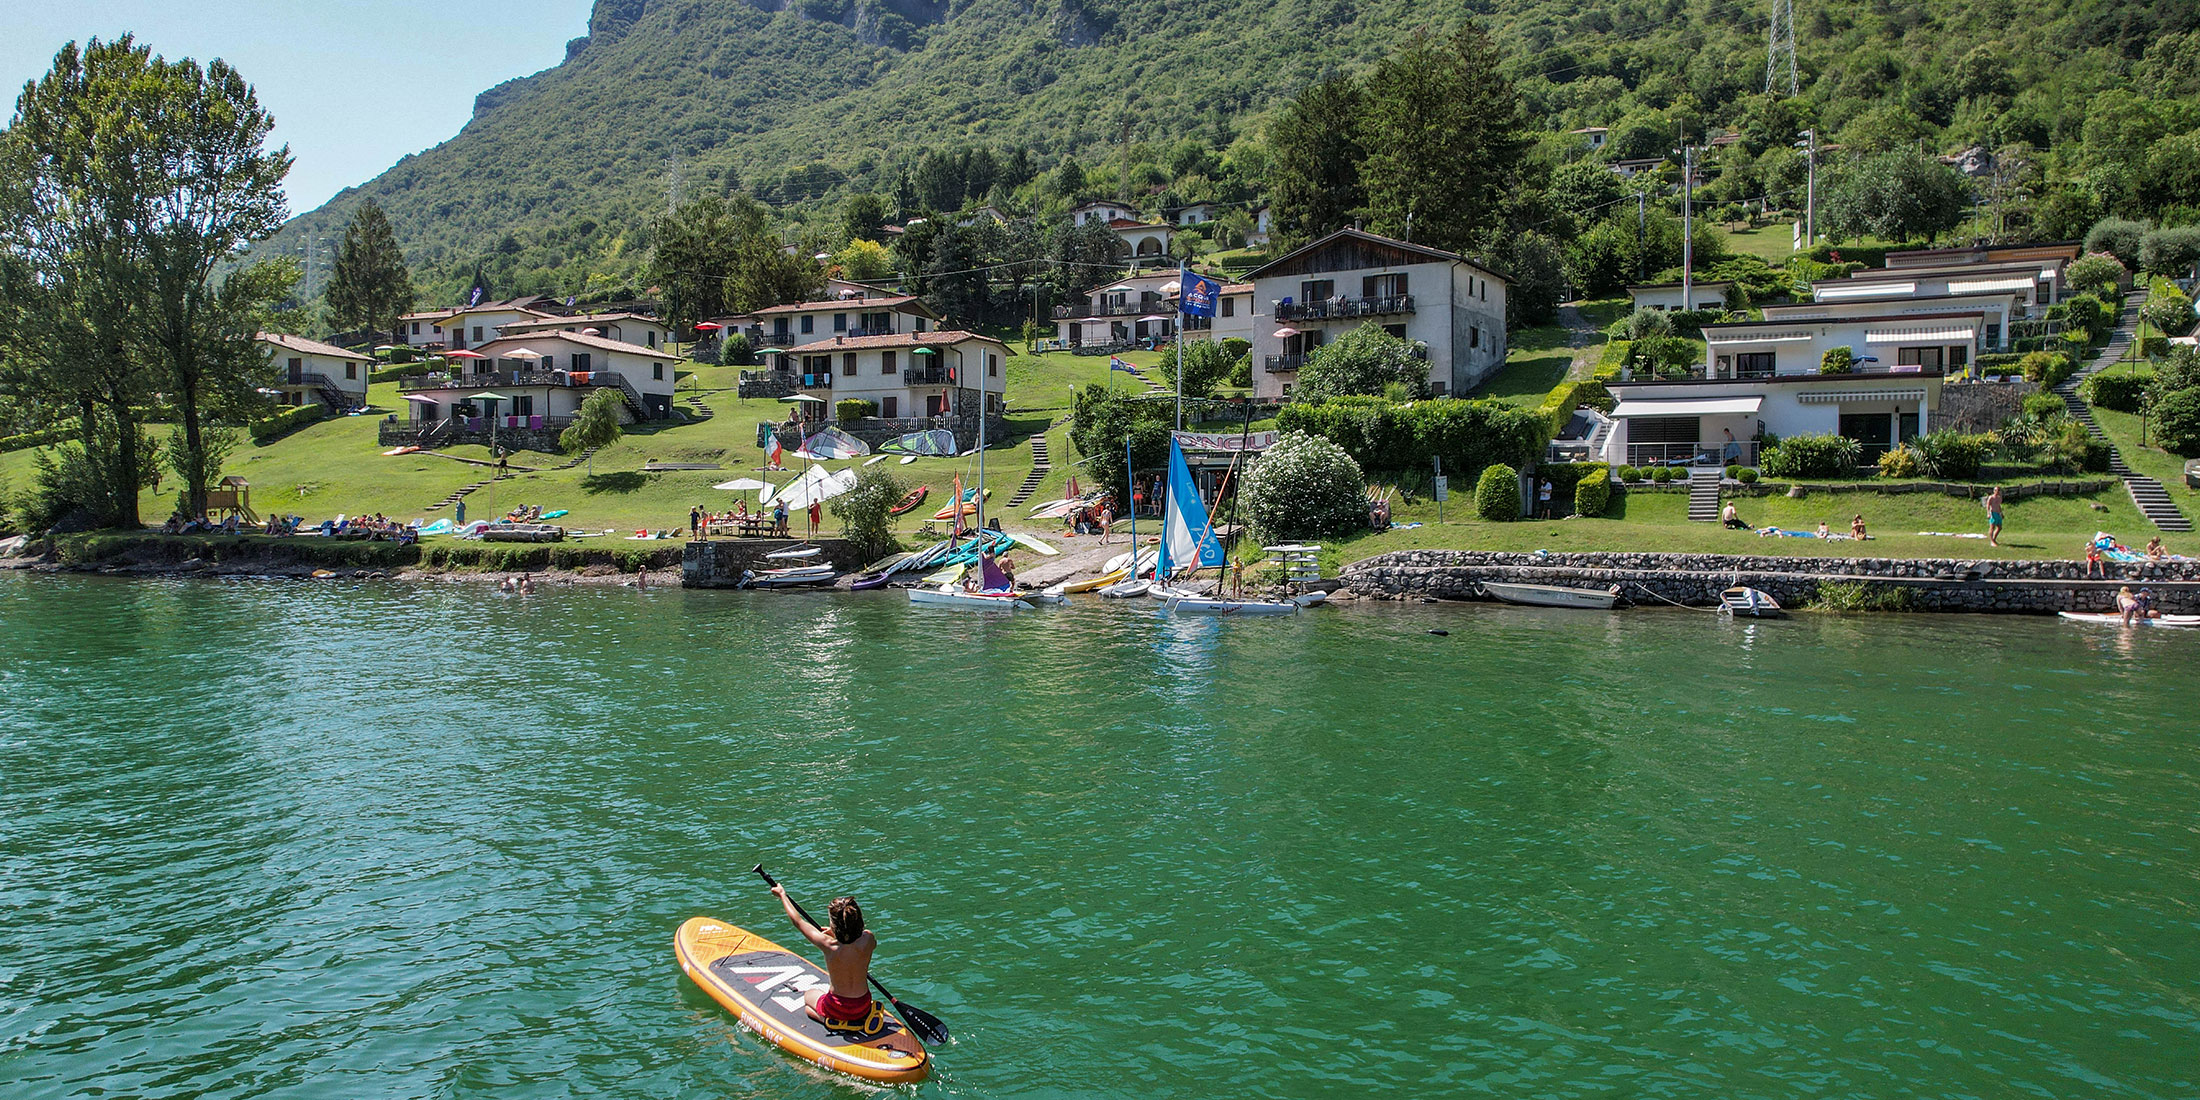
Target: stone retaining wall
719	563
1980	406
1938	584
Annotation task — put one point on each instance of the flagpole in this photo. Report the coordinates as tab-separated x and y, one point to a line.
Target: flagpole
1182	273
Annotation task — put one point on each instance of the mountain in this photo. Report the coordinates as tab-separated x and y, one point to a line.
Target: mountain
552	182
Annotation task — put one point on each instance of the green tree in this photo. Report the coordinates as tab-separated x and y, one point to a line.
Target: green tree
2096	273
1445	140
2119	237
1898	195
1304	486
1315	149
1497	494
861	216
595	427
369	286
715	256
1585	193
1205	366
2174	252
1366	361
865	261
866	510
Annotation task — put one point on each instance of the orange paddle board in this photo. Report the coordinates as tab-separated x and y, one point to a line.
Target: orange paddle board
762	984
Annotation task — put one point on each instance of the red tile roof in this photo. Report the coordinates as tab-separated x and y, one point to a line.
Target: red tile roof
304	346
585	341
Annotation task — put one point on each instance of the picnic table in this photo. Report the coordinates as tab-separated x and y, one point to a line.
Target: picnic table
758	526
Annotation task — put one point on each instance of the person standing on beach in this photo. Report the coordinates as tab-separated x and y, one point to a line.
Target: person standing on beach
1543	499
695	520
1993	517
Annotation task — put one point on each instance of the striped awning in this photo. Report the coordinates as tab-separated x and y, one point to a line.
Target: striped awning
1833	397
1863	290
1762	336
1987	286
1966	334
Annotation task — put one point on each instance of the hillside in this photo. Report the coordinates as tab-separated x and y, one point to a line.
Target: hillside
553	180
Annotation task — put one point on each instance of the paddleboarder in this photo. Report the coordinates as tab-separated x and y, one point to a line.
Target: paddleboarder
847	947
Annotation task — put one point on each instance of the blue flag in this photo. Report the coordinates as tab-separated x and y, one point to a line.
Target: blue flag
1198	295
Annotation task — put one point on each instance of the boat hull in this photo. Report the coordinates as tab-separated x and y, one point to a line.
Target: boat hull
2111	618
1749	603
1203	605
1551	595
966	601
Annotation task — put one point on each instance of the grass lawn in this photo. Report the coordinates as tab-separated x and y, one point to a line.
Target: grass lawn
1773	243
1541	357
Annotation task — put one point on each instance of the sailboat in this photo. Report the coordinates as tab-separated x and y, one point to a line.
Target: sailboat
994	593
1188	542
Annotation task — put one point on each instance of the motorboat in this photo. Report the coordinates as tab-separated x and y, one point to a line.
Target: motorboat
1749	603
1552	595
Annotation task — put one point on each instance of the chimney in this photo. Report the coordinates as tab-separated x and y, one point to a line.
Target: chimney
840	339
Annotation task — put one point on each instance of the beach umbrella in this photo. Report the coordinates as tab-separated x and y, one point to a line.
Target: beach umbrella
924	351
592	332
485	395
1286	332
1153	317
739	485
801	397
422	398
1120	287
708	326
464	355
523	353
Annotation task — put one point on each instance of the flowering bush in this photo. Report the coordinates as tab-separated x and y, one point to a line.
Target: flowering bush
1304	486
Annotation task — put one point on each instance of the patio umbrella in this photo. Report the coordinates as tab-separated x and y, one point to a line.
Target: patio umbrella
592	332
739	485
773	351
801	397
523	353
268	392
1120	286
924	351
422	398
1153	317
390	347
1286	332
464	355
709	326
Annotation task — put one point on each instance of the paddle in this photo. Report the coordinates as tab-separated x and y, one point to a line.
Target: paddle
927	1026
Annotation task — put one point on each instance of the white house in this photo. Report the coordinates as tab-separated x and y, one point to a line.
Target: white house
543	377
1264	223
1593	136
1998	313
1198	213
626	328
423	329
1103	212
1667	296
800	323
1763	376
1304	299
2036	284
308	370
472	326
1233	318
1142	240
1123	312
907	375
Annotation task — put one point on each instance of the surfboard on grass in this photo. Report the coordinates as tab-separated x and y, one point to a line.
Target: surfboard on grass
763	984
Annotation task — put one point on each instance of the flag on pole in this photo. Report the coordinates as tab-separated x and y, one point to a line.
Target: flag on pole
1116	363
772	451
1197	295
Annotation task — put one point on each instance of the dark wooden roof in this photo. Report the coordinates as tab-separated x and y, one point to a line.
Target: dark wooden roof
1358	250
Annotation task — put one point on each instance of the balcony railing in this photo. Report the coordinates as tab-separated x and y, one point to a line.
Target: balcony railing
924	376
1113	309
820	380
1700	453
1344	307
1275	363
493	379
1697	373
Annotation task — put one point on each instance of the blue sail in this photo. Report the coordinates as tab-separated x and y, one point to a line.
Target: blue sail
1187	535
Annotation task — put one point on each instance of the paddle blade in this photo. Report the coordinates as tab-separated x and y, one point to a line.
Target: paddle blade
927	1026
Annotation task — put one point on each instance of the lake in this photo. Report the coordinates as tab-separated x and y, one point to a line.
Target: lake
373	840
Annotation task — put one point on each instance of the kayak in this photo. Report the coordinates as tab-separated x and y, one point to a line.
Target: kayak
762	984
2115	619
915	497
969	508
1090	583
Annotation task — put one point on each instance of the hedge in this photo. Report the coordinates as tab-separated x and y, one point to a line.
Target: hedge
1559	407
286	421
1612	358
2047	368
1593	489
397	370
1813	456
35	439
1390	439
854	408
2121	392
1497	494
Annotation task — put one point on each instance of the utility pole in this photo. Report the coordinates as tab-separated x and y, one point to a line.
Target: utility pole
1810	193
1642	218
1688	227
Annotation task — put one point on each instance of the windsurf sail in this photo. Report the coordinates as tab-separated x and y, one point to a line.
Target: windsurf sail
1187	534
938	441
831	443
990	577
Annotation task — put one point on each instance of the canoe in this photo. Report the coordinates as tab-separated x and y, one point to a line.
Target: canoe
806	576
796	552
1551	595
2113	619
915	497
762	984
1101	581
1749	603
950	596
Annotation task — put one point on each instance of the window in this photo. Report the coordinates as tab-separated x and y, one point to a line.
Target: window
657	371
1918	357
1317	290
840	322
1993	335
1958	355
351	371
809	324
886	361
920	325
547	362
416	328
1398	331
993	365
523	405
848	364
580	360
477	334
438	329
1229	307
779	330
1384	286
889	406
652	337
1474	336
1754	364
1664	429
296	365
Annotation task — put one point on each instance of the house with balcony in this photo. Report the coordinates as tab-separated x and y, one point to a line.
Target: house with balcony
1127	312
1197	213
539	380
424	329
1233	319
308	370
1667	296
2001	314
800	323
1453	307
1593	137
914	380
2036	274
1763	377
625	328
1103	212
472	326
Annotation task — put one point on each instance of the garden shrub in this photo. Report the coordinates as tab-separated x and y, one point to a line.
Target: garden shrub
286	421
1662	474
1629	473
1951	454
28	440
2119	391
1664	356
1644	324
1593	493
2169	310
1731	472
1305	486
854	408
396	371
2046	368
2170	251
1998	362
866	511
1813	456
2095	274
1614	356
1496	494
2177	421
2044	406
2075	450
2088	314
1748	476
2115	239
1840	359
1387	437
1900	462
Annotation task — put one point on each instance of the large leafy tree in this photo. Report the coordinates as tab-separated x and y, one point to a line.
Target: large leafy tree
1445	139
1315	148
1898	195
717	255
596	426
369	286
1366	361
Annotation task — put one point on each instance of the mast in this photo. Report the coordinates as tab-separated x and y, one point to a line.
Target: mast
1130	477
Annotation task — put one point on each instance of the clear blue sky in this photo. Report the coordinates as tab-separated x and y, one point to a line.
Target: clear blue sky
353	84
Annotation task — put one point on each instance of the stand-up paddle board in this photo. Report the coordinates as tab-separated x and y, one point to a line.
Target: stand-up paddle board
762	983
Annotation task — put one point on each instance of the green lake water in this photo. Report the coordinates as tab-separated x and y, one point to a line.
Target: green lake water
367	840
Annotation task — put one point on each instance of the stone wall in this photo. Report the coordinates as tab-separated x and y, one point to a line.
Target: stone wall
719	563
1980	406
1936	584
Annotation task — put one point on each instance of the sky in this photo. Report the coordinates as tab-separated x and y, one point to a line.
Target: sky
353	84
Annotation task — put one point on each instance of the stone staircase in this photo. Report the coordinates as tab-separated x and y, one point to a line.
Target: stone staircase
2150	495
1151	385
1039	468
1703	493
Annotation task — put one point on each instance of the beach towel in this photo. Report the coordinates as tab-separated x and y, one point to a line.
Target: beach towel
1952	534
1775	532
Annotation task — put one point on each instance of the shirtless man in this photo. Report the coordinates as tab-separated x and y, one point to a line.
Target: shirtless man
848	948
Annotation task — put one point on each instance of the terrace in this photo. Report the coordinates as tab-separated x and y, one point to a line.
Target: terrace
1340	307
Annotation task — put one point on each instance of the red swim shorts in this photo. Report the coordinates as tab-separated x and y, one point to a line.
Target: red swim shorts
840	1009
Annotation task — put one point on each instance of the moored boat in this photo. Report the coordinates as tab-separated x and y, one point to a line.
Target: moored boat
948	595
1552	595
2111	618
804	576
1749	603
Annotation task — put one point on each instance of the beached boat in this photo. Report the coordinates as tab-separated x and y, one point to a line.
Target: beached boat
1749	603
1126	590
805	576
2111	618
911	500
795	553
969	505
1552	595
950	596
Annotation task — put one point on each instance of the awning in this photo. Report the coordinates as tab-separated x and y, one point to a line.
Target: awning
1763	336
420	397
1698	406
1864	290
1983	286
1920	335
1153	317
1834	397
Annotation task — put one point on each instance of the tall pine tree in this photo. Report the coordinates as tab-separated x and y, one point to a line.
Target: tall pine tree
1445	138
1316	151
369	287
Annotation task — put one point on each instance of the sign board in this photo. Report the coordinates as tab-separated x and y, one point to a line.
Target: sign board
1226	441
1441	489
